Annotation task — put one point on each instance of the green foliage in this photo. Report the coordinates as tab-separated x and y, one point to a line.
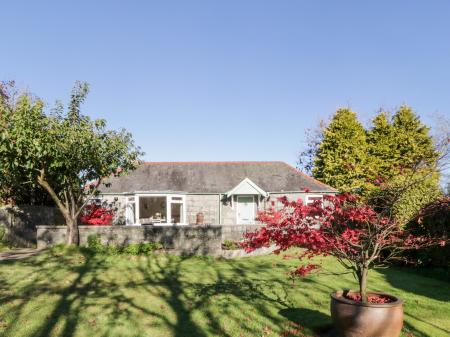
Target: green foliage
405	160
66	153
393	164
2	233
230	245
341	158
381	146
95	245
18	121
142	248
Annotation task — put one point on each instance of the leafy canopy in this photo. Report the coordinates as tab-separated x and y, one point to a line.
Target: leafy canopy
66	153
353	232
341	157
396	154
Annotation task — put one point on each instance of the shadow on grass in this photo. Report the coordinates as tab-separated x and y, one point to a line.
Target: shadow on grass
314	320
424	285
186	302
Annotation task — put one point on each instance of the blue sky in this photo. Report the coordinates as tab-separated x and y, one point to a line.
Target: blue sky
230	80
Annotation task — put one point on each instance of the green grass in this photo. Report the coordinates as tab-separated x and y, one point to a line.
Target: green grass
66	293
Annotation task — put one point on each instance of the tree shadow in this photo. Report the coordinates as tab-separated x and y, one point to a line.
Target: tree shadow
405	279
186	303
314	320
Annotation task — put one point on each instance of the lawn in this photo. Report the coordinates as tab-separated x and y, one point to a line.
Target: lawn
72	294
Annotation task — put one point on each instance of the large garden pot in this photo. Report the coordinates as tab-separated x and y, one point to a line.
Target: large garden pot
357	319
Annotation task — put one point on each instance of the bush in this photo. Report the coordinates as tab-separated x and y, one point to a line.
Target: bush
95	245
230	245
96	215
432	220
2	234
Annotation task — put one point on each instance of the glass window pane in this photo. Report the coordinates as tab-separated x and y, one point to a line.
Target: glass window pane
152	209
176	211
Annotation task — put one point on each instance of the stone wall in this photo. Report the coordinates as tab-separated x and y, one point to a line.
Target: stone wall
236	232
197	240
20	223
208	204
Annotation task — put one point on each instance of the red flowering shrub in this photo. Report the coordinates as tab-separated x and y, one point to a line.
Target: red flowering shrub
353	232
96	215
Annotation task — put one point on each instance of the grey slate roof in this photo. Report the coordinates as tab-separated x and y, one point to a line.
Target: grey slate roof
212	177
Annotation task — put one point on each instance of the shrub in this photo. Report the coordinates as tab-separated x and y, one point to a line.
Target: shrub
432	220
96	215
95	245
230	245
2	233
142	248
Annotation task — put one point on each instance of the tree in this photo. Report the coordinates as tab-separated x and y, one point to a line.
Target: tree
15	188
396	154
65	152
381	144
404	159
353	232
341	157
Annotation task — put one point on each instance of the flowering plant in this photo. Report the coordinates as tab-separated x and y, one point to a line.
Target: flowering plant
340	226
97	215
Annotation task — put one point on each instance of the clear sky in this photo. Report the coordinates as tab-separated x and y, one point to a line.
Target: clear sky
229	80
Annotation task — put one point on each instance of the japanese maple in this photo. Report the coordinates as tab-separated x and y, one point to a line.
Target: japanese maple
97	215
340	226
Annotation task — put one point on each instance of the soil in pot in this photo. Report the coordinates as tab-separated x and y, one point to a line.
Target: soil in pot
352	318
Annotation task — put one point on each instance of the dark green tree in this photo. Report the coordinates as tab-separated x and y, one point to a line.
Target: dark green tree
341	158
405	158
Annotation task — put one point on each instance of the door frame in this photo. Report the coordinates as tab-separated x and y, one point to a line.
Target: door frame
237	209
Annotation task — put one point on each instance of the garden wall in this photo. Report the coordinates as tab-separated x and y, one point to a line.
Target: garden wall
236	232
193	239
20	223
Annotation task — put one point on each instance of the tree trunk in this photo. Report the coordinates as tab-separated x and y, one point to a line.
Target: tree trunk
73	235
364	271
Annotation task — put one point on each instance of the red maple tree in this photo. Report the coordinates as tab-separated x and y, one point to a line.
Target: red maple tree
340	226
97	215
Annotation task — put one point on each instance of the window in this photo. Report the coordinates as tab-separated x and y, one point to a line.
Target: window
176	211
160	209
310	199
153	209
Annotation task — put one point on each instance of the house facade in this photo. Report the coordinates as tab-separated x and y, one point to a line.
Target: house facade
220	193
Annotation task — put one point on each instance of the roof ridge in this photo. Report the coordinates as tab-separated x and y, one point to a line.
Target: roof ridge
208	162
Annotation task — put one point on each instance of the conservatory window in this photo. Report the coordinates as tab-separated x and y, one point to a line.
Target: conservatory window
153	209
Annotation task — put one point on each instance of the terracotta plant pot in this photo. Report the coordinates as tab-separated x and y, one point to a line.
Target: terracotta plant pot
356	319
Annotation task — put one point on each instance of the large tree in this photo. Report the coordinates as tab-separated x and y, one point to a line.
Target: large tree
405	159
341	157
15	188
394	163
66	153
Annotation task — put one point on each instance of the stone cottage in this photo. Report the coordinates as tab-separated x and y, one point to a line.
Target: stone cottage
219	193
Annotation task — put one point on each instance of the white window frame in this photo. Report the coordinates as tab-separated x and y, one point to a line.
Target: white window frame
310	196
127	203
169	201
237	209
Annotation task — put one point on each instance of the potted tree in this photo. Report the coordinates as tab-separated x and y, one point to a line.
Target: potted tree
360	239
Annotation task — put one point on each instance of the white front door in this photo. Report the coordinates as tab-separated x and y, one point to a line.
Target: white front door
245	210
